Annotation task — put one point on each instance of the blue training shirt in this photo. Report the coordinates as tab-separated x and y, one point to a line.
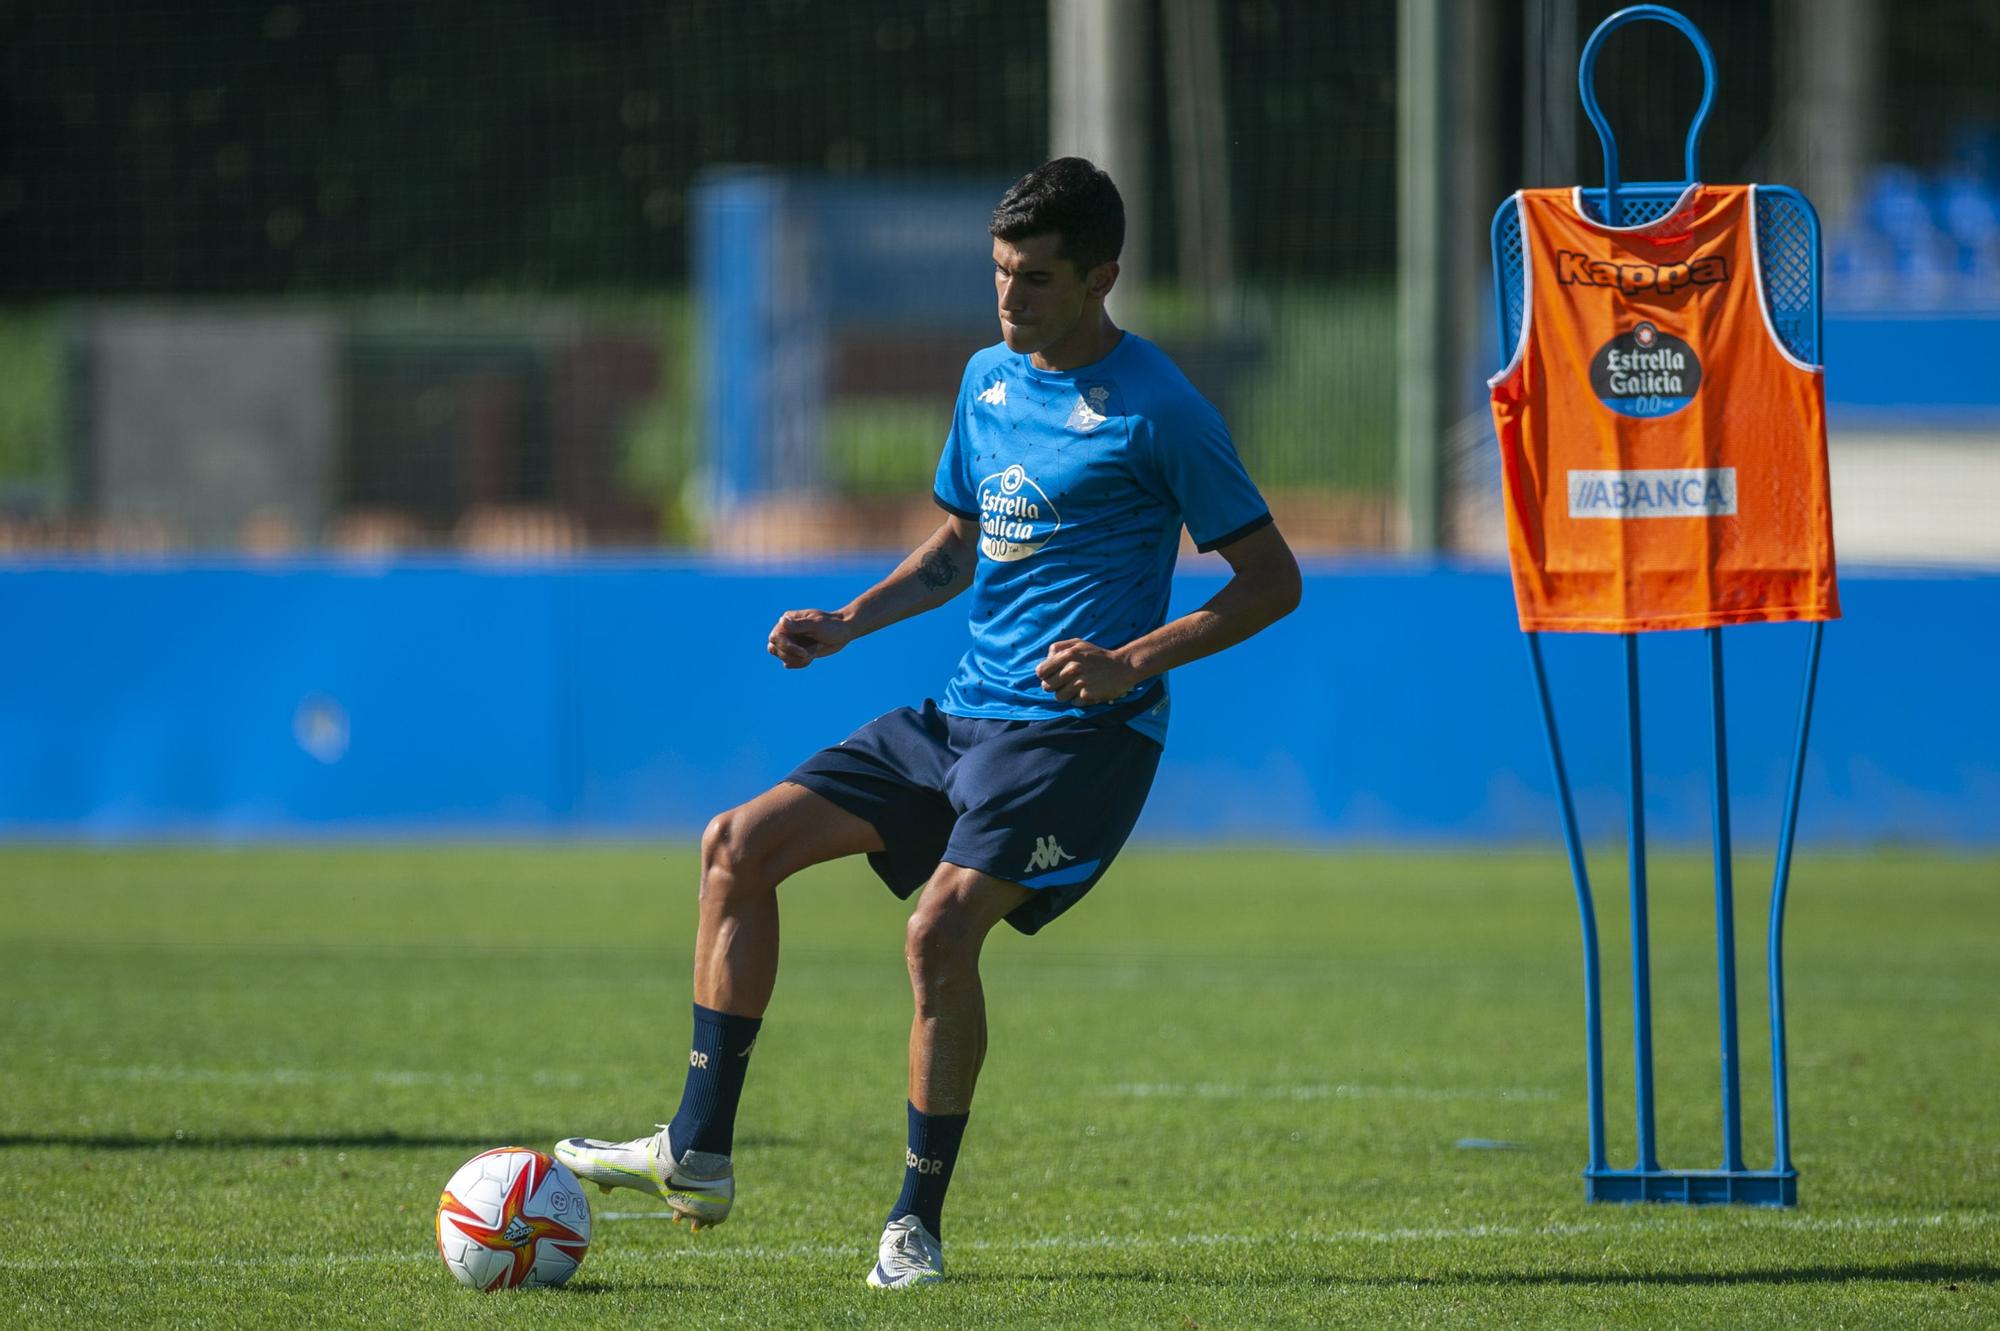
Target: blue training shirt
1080	481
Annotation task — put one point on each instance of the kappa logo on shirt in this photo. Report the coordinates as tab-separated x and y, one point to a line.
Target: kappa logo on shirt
996	396
1573	269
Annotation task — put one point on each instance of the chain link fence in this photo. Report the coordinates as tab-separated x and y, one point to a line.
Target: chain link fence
313	275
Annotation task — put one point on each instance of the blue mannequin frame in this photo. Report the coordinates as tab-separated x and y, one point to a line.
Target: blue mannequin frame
1789	245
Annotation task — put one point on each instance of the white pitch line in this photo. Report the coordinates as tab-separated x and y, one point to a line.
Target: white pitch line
1211	1090
287	1260
1439	1234
284	1076
1099	1242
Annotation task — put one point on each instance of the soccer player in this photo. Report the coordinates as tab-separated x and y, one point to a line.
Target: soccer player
1076	454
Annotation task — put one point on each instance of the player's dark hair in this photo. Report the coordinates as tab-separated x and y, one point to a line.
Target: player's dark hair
1074	200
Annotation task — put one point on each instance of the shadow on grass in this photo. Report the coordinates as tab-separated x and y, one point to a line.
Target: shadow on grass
1924	1273
195	1141
353	1141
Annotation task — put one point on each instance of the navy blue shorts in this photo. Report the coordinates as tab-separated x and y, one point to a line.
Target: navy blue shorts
1046	804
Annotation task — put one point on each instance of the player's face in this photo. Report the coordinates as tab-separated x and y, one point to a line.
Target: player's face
1043	298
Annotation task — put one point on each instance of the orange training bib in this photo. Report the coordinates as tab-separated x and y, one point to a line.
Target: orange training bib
1664	455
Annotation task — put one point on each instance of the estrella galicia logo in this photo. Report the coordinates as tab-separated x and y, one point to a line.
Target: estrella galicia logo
1015	515
1645	372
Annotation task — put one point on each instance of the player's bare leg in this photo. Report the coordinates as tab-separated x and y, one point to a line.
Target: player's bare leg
745	854
958	910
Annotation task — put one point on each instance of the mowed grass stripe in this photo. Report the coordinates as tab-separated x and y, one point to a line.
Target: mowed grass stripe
711	1250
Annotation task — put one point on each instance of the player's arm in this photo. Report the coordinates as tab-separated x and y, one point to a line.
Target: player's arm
934	572
1263	588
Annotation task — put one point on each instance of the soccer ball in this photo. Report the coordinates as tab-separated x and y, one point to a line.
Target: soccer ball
511	1219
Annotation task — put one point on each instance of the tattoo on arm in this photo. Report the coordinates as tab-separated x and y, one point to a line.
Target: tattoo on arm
937	570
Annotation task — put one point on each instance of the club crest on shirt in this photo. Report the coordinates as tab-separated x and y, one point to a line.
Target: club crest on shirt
1015	515
1091	409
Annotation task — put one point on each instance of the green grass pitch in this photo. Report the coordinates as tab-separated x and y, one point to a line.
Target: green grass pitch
1236	1087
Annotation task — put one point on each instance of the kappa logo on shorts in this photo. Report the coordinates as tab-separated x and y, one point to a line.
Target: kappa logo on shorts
1048	854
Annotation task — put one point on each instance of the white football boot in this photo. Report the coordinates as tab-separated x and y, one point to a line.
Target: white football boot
908	1256
699	1186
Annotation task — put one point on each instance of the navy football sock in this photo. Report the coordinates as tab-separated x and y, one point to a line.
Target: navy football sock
717	1062
927	1166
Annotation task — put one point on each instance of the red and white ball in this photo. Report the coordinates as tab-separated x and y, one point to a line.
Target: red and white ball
513	1218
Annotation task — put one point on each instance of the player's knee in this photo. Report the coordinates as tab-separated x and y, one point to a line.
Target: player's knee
939	943
728	852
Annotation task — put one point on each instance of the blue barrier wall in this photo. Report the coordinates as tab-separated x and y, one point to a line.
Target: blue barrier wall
316	699
1924	368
